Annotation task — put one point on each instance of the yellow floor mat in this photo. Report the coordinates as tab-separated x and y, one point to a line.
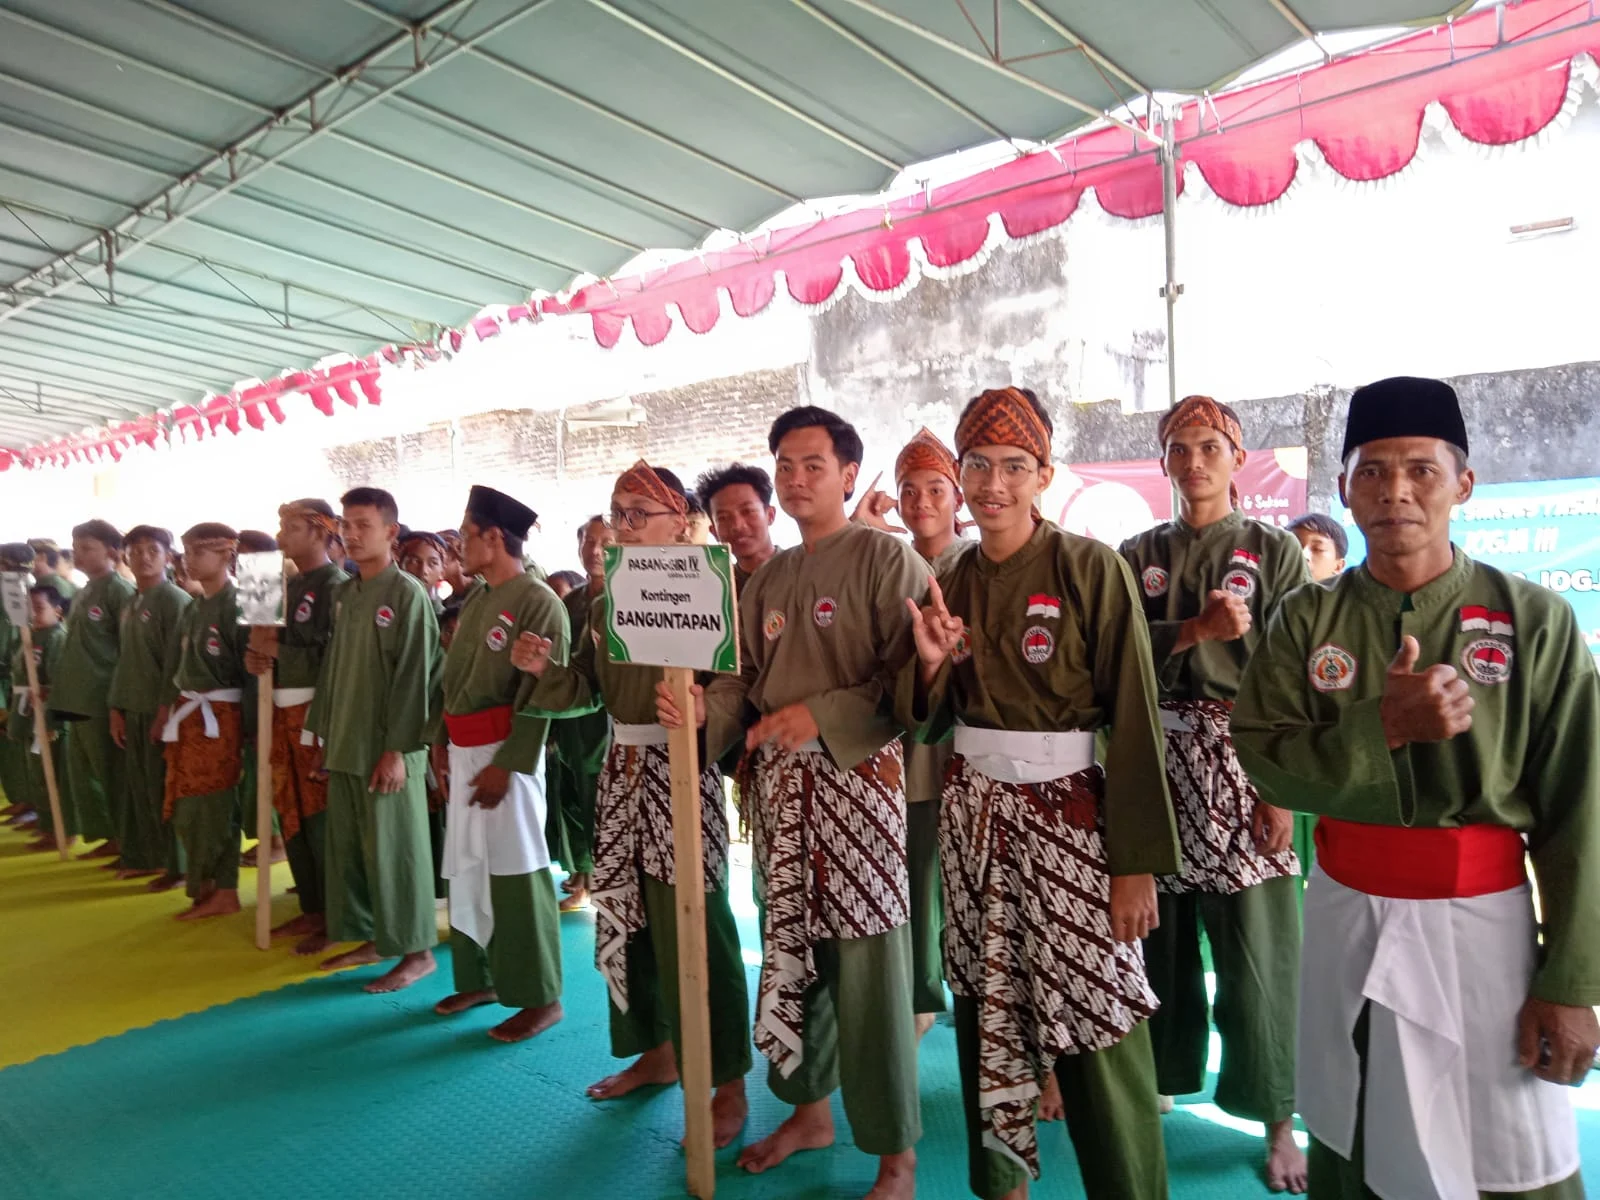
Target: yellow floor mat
83	957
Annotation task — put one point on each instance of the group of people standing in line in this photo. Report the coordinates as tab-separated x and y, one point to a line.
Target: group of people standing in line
1023	766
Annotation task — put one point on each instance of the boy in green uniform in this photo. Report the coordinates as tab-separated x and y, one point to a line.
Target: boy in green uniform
1208	580
299	787
825	628
375	709
738	499
1324	543
93	787
505	939
146	662
635	876
15	557
1442	718
48	568
1033	644
205	727
47	607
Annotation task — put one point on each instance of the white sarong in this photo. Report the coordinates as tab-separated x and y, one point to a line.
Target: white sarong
479	842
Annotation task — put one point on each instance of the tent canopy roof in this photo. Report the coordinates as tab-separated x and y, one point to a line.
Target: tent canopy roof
197	192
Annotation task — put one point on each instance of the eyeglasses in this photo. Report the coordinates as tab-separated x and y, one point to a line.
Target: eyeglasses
1012	470
634	518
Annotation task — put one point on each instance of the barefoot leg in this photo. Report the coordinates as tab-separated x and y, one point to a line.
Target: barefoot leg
458	1002
218	903
295	926
809	1127
164	883
654	1067
575	900
1286	1162
527	1023
897	1177
359	957
730	1108
404	973
1051	1107
924	1023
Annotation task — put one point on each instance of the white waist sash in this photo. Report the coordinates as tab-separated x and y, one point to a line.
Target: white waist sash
203	702
291	697
638	735
507	839
1449	1111
1022	756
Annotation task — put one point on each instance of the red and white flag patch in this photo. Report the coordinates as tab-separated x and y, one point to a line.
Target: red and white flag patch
1481	618
1243	558
1041	605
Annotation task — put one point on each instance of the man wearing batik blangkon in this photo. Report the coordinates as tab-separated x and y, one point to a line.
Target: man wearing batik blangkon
634	887
1032	644
825	629
1208	581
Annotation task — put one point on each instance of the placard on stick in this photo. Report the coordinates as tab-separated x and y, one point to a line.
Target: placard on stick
14	596
262	591
676	607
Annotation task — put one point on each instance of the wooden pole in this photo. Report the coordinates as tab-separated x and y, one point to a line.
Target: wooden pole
41	731
693	1001
264	638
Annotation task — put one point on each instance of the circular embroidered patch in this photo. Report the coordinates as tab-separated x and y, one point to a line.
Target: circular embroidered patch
1154	581
823	612
96	613
1488	661
385	617
496	638
1239	583
1332	668
213	642
963	647
772	624
144	615
1037	644
302	611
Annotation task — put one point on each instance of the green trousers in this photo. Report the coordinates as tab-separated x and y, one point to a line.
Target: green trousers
1305	849
1333	1177
653	1012
441	886
927	907
307	852
1255	949
380	867
208	828
860	1038
93	782
146	840
14	771
39	794
522	963
1113	1118
581	744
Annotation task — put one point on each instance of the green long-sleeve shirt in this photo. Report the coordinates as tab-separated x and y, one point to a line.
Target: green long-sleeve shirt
90	654
380	684
150	642
1308	730
1055	642
591	680
926	761
303	642
48	646
1178	566
211	645
582	740
827	627
478	673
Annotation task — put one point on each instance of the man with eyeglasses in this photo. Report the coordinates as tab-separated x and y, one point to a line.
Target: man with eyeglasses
1031	645
1208	580
825	631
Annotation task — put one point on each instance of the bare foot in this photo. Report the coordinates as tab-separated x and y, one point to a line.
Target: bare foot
729	1111
897	1177
577	901
136	872
1286	1162
279	854
527	1023
809	1127
1164	1103
653	1068
359	957
404	973
1050	1106
106	849
164	883
44	842
461	1001
302	924
114	865
219	903
924	1023
312	943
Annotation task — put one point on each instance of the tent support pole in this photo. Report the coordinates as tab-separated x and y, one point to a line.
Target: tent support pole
1171	289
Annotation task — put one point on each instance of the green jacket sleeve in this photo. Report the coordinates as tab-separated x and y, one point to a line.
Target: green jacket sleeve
570	685
530	729
1340	767
412	706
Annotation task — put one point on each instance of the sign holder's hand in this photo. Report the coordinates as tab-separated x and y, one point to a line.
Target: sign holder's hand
935	632
389	776
490	786
667	707
1133	907
531	653
789	728
873	508
1427	706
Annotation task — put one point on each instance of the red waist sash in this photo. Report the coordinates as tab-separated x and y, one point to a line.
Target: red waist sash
1421	864
482	728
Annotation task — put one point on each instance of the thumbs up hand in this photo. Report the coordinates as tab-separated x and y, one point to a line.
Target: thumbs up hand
1423	706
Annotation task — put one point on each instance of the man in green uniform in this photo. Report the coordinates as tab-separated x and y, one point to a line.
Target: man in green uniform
1324	542
294	658
1442	718
47	607
579	742
147	659
505	939
1033	644
92	788
635	875
48	568
206	725
825	627
376	707
738	499
15	557
1205	578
